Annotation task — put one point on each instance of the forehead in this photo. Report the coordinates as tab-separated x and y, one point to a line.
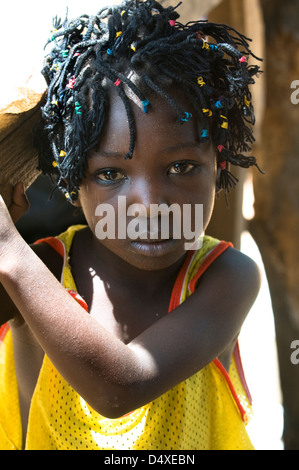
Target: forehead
159	126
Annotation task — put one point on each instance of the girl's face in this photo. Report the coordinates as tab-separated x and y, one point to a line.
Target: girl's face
169	166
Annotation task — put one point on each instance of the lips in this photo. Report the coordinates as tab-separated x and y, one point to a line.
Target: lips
154	247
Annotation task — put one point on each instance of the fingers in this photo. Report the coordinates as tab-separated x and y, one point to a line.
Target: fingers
20	203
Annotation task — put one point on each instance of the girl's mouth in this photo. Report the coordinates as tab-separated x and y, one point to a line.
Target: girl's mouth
154	247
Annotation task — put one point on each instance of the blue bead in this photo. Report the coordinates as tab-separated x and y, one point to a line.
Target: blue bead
187	117
145	104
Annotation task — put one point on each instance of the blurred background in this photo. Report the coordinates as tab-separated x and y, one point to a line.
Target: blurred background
263	215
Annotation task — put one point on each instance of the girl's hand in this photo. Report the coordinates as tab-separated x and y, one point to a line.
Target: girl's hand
10	215
20	203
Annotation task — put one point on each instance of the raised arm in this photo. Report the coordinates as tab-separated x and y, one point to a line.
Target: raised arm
18	207
112	377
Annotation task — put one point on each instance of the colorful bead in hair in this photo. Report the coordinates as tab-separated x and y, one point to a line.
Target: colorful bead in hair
145	105
186	118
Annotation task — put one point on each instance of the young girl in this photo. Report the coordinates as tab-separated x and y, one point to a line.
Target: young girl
131	342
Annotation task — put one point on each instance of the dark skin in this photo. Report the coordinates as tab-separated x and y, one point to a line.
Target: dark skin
128	349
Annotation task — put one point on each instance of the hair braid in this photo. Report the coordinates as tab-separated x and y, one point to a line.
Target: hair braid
207	61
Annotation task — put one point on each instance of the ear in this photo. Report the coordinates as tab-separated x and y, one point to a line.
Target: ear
76	203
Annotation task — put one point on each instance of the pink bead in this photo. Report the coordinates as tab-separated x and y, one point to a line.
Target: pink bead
71	83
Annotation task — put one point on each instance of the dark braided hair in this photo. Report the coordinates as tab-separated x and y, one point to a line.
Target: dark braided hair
207	61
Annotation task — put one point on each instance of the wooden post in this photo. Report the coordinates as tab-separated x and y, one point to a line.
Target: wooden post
276	223
18	158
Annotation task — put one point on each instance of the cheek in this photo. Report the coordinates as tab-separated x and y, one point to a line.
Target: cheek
98	205
88	202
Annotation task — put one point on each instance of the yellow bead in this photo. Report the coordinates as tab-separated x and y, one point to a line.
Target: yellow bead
247	103
200	81
208	111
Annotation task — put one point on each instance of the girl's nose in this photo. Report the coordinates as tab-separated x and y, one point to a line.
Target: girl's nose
146	192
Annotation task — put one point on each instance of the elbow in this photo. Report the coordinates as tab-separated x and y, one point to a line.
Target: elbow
113	407
112	400
122	389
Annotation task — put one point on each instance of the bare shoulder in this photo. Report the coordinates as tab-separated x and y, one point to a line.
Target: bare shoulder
239	269
234	278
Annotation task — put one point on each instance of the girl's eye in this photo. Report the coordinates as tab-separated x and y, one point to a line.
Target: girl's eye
181	168
108	176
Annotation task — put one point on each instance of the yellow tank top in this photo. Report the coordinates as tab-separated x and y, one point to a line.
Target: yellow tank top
207	411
